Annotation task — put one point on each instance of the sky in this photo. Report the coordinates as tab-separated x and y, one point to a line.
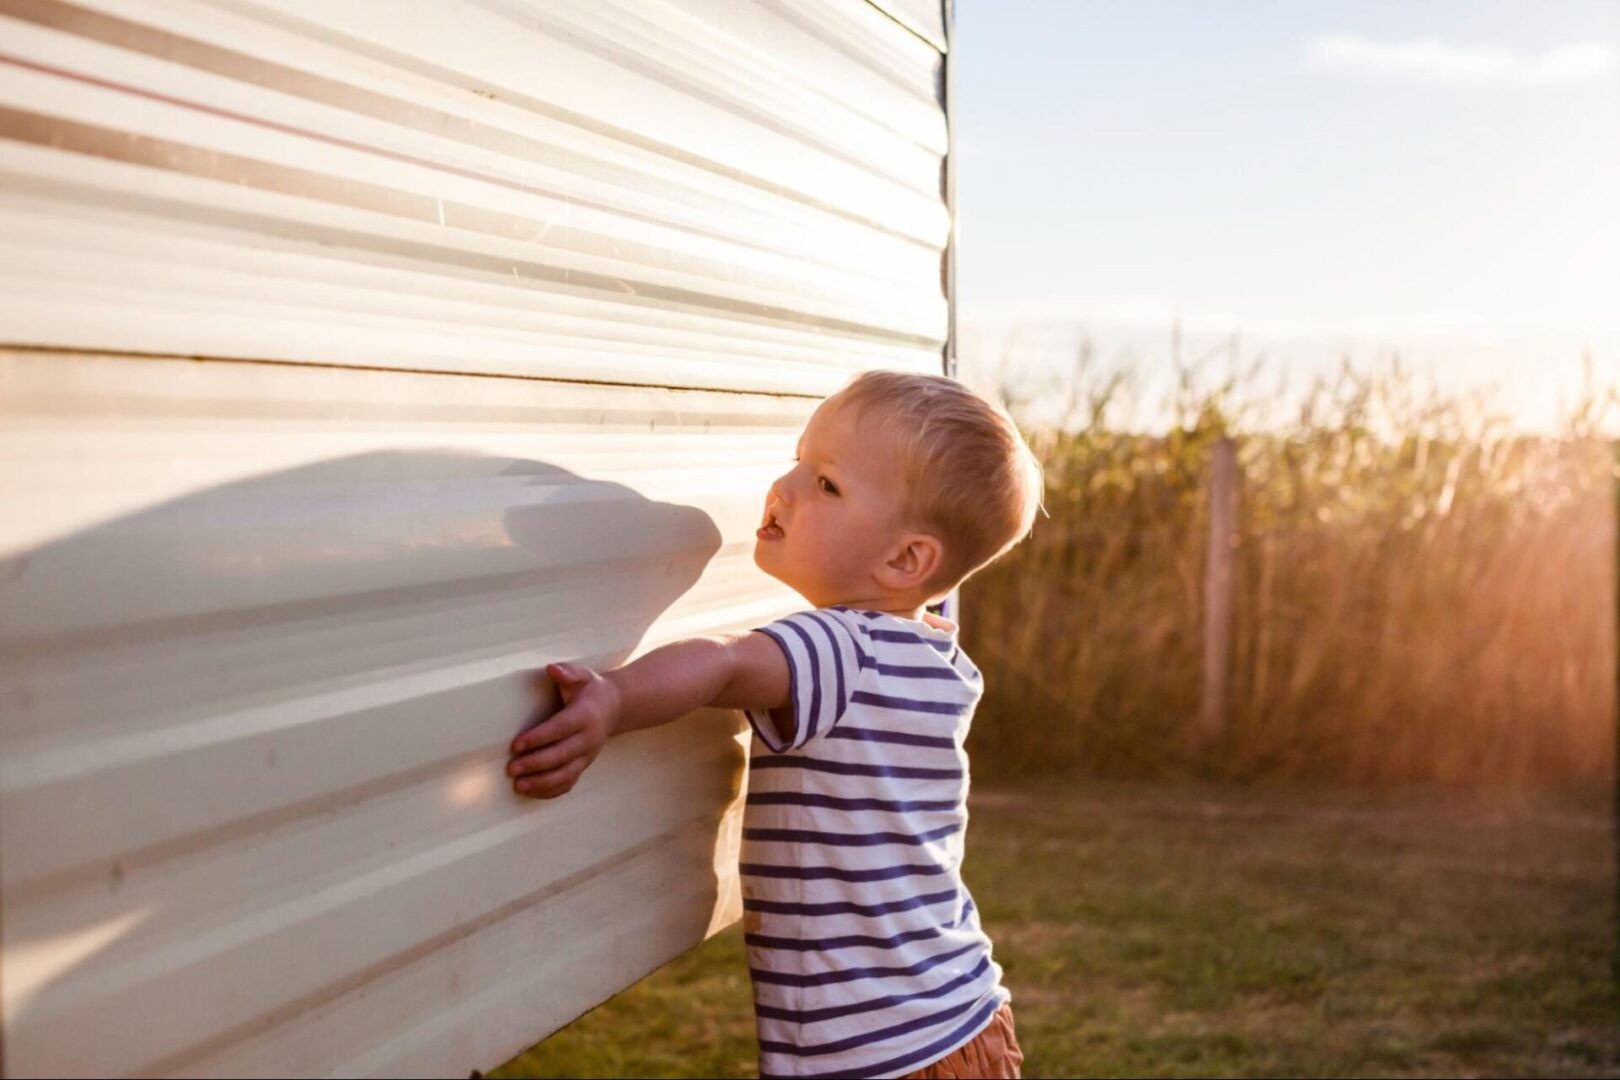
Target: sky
1438	179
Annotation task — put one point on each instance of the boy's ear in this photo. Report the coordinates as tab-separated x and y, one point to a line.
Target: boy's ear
913	563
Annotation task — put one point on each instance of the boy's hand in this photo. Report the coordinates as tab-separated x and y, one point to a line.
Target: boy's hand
547	759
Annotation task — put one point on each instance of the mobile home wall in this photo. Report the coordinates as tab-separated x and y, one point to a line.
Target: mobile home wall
357	359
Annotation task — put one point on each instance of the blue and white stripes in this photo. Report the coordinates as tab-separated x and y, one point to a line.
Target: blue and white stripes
865	949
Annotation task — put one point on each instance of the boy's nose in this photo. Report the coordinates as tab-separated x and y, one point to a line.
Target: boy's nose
779	488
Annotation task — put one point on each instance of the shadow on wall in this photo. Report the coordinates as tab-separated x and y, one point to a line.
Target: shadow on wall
351	639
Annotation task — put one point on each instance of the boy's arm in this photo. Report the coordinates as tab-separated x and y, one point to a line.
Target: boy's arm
728	671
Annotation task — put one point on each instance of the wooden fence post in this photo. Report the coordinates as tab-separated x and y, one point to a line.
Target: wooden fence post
1218	565
1614	479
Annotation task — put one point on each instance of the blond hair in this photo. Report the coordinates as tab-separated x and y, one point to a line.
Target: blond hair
971	479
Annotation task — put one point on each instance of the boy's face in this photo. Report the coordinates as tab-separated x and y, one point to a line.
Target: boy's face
831	521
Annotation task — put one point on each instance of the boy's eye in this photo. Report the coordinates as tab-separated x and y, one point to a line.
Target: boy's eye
827	485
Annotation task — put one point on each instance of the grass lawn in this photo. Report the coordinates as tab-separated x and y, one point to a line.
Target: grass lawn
1199	931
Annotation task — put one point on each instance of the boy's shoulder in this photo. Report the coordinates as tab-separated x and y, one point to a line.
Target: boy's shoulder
843	661
884	647
912	649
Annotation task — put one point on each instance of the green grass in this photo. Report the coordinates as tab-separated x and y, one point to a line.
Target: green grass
1199	931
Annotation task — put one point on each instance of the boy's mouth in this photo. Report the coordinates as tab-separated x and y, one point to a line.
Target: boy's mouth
770	530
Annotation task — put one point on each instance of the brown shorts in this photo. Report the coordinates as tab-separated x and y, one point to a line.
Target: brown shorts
992	1055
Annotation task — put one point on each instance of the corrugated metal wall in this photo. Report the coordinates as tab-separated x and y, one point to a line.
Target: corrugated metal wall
355	360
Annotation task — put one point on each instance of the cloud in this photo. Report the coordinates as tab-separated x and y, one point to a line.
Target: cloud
1431	60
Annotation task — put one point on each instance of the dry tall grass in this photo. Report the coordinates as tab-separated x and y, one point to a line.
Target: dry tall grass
1421	595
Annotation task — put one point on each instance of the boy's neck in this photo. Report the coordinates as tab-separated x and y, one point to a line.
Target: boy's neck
914	614
887	605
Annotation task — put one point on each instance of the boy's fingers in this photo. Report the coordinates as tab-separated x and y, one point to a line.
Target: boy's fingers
552	757
569	673
558	674
554	783
548	730
569	679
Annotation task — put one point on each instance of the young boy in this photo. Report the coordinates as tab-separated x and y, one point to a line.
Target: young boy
865	951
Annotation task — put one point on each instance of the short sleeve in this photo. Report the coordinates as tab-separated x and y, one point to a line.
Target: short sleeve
824	662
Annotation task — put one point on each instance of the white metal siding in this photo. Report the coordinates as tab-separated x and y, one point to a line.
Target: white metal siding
356	360
627	194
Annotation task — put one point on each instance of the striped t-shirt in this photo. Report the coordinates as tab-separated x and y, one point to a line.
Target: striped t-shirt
865	951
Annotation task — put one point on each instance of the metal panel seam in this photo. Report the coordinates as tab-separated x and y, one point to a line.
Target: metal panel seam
890	16
130	354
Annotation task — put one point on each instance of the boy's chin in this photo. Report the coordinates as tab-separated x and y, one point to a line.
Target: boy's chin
771	567
770	561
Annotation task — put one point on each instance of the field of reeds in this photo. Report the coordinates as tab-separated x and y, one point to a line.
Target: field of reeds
1420	593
